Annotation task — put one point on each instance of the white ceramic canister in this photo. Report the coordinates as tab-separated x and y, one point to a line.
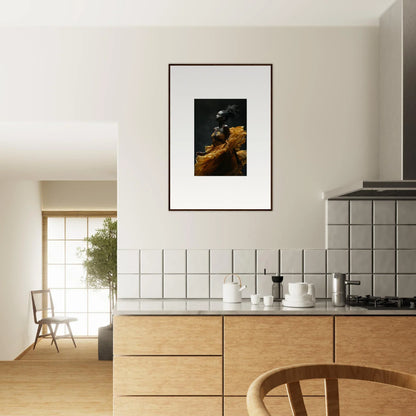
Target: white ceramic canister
231	291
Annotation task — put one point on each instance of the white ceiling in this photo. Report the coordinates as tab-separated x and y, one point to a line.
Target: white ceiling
191	12
58	151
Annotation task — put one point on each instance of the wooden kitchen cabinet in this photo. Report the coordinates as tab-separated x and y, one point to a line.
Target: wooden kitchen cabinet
168	365
277	405
167	335
255	344
167	406
168	376
380	341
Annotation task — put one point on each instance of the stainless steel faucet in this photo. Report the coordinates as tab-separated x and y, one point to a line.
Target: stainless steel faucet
339	284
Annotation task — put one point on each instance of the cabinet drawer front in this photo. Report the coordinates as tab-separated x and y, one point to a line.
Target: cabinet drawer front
369	399
271	342
167	406
167	335
196	376
381	341
236	406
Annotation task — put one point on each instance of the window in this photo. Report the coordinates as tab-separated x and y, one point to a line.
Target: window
64	236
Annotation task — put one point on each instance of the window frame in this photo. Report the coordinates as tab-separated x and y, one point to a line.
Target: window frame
64	214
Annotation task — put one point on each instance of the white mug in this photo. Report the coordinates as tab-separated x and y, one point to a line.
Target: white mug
268	300
255	299
298	289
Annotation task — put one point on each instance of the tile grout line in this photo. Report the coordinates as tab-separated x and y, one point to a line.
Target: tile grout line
396	280
372	248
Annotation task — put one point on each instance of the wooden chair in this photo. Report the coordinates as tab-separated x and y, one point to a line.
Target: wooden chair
42	302
330	373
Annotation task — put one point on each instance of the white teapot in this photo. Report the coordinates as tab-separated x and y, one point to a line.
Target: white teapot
231	291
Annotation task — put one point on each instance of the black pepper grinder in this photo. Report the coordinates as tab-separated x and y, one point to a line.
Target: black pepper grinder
277	288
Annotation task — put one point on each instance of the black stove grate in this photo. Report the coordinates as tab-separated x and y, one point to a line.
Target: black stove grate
388	302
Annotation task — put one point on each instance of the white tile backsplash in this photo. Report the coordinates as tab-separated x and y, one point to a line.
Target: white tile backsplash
264	284
174	261
151	286
250	281
337	261
361	212
370	241
365	287
406	261
361	236
361	261
406	285
384	285
128	261
406	236
384	236
291	261
406	212
267	260
337	212
128	286
384	212
151	261
197	261
337	237
216	282
319	280
174	286
384	261
198	286
221	261
244	261
314	261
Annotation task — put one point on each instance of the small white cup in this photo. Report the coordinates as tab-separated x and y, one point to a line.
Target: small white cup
268	300
255	299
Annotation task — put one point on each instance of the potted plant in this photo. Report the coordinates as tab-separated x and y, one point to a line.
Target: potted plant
101	266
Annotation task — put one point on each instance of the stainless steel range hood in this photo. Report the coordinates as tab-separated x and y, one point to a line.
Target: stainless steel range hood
397	110
375	190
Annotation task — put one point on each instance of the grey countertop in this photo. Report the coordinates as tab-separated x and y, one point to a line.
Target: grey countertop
218	307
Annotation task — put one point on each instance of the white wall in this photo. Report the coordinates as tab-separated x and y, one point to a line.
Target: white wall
325	118
21	264
79	195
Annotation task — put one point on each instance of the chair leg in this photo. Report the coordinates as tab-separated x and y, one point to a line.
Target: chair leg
53	337
70	333
37	335
56	330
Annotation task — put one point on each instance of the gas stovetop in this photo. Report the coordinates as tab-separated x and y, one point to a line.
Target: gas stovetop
388	302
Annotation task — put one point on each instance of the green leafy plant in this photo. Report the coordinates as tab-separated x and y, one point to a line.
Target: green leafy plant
101	260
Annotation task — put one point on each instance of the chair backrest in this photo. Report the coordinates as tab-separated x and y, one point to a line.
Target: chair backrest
42	303
330	373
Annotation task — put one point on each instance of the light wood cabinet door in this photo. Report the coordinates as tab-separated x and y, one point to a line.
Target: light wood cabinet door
167	406
162	376
167	335
236	406
255	344
381	341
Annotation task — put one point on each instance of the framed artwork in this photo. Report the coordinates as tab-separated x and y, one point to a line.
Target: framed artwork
220	137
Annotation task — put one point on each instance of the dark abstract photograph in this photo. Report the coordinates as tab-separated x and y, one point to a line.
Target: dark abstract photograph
220	137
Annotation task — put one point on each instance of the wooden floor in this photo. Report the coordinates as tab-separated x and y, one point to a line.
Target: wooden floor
44	382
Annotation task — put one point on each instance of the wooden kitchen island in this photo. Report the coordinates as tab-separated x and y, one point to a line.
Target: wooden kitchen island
200	360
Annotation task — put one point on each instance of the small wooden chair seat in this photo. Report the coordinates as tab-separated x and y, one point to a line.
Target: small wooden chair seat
291	376
56	320
42	303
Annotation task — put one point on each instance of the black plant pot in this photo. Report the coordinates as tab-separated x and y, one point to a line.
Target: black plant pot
105	343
